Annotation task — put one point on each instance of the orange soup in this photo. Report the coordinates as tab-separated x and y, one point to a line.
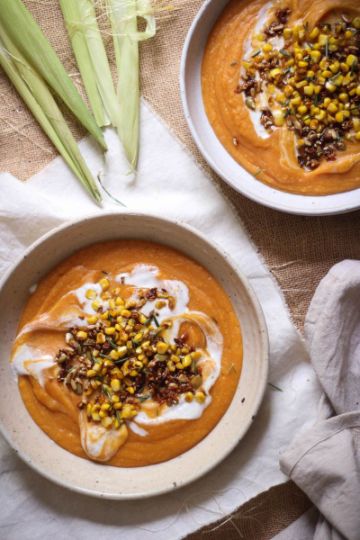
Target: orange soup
281	89
128	353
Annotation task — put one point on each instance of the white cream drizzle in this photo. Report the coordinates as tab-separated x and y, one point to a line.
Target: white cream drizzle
29	361
261	99
145	277
98	442
137	429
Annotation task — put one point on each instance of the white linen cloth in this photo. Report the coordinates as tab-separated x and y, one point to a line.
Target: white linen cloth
325	460
169	183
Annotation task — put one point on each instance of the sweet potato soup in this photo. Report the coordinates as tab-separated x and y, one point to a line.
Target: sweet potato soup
281	89
128	353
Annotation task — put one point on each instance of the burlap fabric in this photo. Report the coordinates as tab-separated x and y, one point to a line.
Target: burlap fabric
299	251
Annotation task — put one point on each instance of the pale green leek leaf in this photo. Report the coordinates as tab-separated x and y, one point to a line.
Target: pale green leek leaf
89	50
124	20
75	27
41	103
26	35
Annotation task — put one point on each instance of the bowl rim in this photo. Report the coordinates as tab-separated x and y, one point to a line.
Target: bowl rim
298	204
263	338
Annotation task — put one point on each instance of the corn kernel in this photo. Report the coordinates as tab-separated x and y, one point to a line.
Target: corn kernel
92	319
335	67
90	294
287	33
100	338
330	87
339	117
115	385
332	108
128	411
110	331
323	39
351	60
200	397
81	335
106	422
125	313
356	23
302	109
309	90
314	33
105	406
95	416
189	396
104	284
296	101
162	347
186	361
357	136
321	115
275	73
267	47
95	305
356	124
315	55
114	355
288	90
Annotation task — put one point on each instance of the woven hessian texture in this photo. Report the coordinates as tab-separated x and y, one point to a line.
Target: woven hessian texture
299	251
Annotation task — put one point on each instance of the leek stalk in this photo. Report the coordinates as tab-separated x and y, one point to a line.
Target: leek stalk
26	35
90	54
123	17
40	101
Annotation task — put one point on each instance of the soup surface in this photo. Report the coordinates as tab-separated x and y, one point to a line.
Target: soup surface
128	353
281	89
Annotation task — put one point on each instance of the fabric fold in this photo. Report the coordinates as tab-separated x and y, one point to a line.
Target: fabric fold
324	461
169	183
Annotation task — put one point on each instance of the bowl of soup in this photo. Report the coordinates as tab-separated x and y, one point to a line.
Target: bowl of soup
134	355
271	94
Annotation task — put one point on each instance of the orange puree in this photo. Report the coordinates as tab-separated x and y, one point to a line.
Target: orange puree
54	406
272	160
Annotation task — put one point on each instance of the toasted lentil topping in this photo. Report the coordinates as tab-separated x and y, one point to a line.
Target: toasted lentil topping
311	84
120	358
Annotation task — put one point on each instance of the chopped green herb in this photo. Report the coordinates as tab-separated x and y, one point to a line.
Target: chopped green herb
275	387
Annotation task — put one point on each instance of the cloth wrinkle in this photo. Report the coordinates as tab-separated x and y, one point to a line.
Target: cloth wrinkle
53	197
324	461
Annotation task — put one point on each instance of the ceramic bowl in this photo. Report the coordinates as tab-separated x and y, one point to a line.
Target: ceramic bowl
213	151
81	475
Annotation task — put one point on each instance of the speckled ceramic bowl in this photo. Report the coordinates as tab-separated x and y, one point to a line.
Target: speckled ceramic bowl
213	151
84	476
